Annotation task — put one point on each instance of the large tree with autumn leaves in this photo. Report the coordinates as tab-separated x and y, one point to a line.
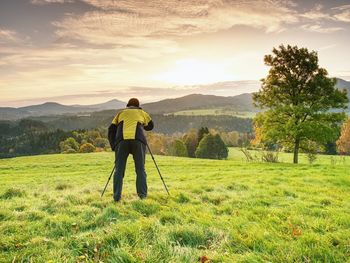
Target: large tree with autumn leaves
298	99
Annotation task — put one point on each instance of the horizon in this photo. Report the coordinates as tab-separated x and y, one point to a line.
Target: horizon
112	99
87	52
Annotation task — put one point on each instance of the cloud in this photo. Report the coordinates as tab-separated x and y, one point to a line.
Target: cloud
344	16
8	36
320	29
342	7
45	2
168	19
316	13
321	16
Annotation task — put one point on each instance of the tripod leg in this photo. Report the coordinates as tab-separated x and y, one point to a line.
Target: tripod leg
109	178
161	177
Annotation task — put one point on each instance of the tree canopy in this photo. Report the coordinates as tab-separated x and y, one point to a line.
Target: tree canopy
299	100
212	147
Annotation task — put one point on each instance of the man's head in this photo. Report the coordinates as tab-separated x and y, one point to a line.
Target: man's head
133	102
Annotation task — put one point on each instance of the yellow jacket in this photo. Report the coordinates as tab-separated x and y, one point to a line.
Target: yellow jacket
128	124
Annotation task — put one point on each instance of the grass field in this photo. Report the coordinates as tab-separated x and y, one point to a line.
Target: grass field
223	211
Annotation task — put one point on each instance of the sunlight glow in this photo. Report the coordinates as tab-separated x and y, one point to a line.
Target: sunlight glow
194	72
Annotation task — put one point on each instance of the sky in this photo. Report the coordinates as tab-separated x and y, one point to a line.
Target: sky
91	51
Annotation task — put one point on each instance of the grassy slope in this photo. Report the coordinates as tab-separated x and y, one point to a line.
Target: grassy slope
228	211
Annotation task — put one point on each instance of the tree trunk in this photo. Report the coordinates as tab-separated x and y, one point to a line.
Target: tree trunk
296	150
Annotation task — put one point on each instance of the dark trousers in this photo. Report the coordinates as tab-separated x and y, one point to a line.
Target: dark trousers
122	151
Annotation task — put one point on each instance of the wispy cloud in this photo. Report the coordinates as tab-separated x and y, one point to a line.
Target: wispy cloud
318	28
121	44
344	16
45	2
341	13
8	36
121	20
316	13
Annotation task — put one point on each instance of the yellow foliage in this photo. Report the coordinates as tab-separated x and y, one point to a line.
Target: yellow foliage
258	136
343	143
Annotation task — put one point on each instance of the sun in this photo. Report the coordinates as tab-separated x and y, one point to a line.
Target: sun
193	72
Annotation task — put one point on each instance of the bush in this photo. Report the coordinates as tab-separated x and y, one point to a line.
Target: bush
101	142
177	148
212	147
269	157
311	157
69	144
87	148
248	155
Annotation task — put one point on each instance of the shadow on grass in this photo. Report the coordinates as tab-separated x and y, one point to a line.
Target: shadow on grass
13	192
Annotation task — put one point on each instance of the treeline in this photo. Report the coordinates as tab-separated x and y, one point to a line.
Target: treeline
29	137
167	124
32	137
203	143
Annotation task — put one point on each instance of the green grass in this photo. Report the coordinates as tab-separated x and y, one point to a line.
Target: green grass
227	211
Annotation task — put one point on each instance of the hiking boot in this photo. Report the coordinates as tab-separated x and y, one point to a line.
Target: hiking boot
142	196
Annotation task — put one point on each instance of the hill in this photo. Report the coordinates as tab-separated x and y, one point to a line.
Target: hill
109	105
225	211
241	102
53	108
343	84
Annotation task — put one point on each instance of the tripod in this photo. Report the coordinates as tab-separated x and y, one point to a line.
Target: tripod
161	177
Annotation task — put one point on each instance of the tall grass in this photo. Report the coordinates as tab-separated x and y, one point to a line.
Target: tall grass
218	211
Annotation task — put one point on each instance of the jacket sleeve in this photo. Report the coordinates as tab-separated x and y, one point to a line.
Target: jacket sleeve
112	131
148	124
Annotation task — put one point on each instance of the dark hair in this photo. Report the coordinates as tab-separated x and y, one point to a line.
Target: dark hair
133	102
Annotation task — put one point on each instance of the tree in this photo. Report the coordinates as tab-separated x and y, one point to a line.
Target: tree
298	96
343	143
212	147
230	138
201	132
87	148
177	148
191	141
69	144
157	142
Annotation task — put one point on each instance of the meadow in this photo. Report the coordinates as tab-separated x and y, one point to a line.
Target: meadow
218	211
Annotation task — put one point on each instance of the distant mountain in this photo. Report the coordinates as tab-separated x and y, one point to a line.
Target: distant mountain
54	108
109	105
343	84
241	102
237	103
8	113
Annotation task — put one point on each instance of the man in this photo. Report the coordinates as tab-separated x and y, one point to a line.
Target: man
126	136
